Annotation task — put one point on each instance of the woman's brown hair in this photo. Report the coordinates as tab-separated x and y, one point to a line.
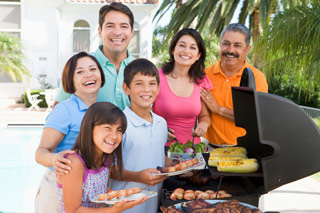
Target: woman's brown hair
69	68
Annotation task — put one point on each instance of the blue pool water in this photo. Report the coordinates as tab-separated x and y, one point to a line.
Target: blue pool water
20	175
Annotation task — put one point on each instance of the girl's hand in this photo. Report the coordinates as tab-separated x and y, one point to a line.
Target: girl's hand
201	130
60	163
124	204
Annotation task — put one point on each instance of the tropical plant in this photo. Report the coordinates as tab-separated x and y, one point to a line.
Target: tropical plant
158	53
11	57
218	13
292	47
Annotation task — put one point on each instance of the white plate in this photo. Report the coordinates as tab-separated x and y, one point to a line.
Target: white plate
128	198
197	166
178	205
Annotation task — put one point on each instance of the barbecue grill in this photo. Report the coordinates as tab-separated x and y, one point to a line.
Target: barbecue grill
280	135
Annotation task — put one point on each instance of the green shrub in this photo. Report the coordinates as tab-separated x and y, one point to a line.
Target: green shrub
42	104
317	121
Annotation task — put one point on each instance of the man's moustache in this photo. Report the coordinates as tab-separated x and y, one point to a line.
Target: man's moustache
229	53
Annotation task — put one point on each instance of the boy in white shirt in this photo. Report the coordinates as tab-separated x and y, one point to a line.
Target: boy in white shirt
144	140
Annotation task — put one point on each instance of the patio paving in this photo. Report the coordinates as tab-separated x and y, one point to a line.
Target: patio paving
12	113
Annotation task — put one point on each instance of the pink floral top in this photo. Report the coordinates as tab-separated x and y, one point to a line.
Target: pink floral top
179	112
94	183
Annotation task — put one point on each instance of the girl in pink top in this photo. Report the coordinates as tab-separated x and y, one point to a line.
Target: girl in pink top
97	151
179	101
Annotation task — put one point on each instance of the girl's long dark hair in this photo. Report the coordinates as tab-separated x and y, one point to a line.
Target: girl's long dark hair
97	114
196	71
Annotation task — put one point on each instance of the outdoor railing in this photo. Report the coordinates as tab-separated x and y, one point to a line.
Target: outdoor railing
311	112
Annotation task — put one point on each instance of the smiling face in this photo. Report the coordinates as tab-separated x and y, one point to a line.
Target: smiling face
186	51
107	137
116	33
86	77
233	50
143	91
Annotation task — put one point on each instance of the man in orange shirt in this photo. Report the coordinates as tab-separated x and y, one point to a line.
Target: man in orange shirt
234	48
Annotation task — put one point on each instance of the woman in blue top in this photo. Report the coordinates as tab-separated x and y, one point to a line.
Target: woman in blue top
82	77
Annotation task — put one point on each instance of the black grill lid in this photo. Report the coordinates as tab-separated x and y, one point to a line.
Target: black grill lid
279	133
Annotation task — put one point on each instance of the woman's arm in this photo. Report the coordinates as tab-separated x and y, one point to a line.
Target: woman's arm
204	121
45	155
214	107
72	192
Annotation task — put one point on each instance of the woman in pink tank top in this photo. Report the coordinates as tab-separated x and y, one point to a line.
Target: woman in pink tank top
181	78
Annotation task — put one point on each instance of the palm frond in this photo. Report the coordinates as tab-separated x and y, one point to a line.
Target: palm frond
295	47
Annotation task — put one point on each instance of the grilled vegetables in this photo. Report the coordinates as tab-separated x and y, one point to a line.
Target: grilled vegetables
214	159
233	160
230	152
238	166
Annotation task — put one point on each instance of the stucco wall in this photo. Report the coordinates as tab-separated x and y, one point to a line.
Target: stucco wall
46	32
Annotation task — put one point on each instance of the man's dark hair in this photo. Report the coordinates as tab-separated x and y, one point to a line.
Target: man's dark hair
196	71
115	6
237	27
140	66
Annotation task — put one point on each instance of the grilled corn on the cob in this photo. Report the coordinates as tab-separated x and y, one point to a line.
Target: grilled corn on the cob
229	151
214	159
238	166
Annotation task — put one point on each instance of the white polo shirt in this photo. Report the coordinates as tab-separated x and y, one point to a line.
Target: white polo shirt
142	147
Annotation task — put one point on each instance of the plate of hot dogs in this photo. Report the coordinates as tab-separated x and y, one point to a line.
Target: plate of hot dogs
180	167
113	197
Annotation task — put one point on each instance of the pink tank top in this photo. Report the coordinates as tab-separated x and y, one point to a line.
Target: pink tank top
179	112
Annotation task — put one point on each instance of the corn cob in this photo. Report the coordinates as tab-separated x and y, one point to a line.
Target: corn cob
214	159
229	151
238	166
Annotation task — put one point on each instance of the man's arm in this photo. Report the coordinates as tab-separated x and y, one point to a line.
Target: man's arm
214	107
61	96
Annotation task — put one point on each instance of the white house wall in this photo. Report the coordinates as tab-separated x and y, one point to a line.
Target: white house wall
47	35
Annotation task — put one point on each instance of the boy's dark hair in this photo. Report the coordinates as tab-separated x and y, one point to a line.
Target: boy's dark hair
115	6
142	66
196	71
97	114
69	68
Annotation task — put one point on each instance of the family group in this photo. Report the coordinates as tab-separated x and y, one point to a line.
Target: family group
115	114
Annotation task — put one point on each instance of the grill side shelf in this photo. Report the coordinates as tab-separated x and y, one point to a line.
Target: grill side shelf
215	172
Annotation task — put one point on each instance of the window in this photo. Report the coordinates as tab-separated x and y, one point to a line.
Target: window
10	22
134	46
81	36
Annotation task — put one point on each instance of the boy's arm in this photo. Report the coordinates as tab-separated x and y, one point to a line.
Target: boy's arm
144	176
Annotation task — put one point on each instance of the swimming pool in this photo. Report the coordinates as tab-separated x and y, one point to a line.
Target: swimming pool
20	175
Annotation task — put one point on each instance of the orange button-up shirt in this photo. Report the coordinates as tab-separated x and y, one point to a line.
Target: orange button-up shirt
222	130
